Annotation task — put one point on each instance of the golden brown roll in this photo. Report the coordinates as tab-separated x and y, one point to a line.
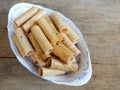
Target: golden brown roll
59	65
66	48
49	72
73	35
54	29
25	16
36	59
70	45
38	49
48	31
59	23
20	49
33	58
61	53
24	42
39	60
31	22
41	39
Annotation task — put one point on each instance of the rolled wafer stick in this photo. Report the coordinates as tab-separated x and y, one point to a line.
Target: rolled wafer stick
38	49
53	63
58	65
66	48
73	35
34	42
33	58
54	28
61	53
70	45
25	16
49	72
41	39
48	31
50	23
31	22
39	60
25	44
63	26
43	56
59	23
20	49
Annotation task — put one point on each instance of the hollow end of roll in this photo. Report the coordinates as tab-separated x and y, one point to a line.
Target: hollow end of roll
65	30
62	41
49	61
40	71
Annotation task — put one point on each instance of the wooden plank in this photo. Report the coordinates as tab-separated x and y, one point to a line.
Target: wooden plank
102	38
98	20
106	49
13	75
5	50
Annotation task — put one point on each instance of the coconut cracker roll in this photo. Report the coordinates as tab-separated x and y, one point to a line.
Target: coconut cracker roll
70	45
59	65
25	16
49	72
24	43
20	49
41	39
48	31
66	48
62	54
37	48
35	59
31	22
73	35
59	23
54	28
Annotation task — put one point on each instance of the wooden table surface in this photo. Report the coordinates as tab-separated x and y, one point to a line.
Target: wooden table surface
99	22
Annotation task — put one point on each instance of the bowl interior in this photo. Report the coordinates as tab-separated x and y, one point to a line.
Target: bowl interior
78	78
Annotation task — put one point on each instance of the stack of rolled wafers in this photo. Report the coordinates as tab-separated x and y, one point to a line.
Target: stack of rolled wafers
48	40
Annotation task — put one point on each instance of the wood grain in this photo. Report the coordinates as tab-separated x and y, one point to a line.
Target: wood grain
13	75
5	50
99	22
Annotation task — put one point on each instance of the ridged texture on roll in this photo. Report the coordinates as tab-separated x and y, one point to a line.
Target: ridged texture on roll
38	49
49	72
24	42
20	49
48	31
63	54
57	64
70	45
41	39
24	17
73	35
31	22
59	23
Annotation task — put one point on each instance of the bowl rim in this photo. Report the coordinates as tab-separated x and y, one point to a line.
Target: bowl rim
89	60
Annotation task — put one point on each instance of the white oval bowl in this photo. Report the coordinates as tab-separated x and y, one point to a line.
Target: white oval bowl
78	78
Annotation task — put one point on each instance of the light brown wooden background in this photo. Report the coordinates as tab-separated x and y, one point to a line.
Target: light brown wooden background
98	20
